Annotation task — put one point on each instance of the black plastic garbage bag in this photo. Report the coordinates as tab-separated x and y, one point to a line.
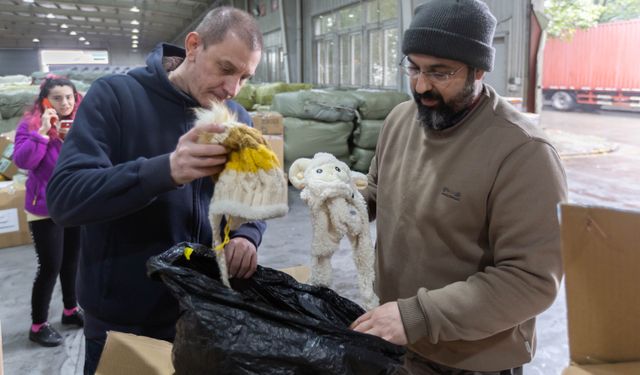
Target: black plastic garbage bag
268	324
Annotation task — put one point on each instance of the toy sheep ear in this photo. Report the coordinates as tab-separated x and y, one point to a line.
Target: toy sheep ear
296	172
360	180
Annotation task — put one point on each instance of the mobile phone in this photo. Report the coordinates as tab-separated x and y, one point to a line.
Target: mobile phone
65	125
46	103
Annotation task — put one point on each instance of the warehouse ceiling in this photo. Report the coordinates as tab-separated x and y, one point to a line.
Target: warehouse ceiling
102	24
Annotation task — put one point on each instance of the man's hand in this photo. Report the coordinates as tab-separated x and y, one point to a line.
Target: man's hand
242	258
192	160
383	321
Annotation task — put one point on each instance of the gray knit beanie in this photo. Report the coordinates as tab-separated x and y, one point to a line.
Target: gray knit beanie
460	30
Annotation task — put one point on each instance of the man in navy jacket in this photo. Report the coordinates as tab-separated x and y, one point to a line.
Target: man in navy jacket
132	174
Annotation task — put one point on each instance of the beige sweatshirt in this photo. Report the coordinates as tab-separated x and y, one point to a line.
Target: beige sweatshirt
468	238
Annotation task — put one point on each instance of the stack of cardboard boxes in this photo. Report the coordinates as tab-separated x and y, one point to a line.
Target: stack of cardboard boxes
7	168
271	124
14	230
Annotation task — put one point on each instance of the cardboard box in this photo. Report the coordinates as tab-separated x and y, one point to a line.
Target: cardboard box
300	273
276	142
6	147
7	168
269	123
125	353
601	254
11	134
14	229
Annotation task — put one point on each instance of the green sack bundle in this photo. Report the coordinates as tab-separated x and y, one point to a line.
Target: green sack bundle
361	159
376	104
9	124
246	96
266	92
366	133
318	105
304	138
14	101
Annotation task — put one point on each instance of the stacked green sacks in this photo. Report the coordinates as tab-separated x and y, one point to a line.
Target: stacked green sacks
316	121
265	92
374	107
246	97
17	94
258	97
86	76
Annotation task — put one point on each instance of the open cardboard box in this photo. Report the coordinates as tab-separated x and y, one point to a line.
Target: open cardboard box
125	353
14	228
601	251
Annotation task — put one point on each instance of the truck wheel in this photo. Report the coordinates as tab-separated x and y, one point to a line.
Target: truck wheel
562	101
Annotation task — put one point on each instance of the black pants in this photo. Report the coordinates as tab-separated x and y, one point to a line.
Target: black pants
57	249
92	351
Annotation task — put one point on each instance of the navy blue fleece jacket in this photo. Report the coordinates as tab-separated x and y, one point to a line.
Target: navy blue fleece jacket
113	178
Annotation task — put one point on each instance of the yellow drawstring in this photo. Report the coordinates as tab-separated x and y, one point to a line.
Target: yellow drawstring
227	230
187	252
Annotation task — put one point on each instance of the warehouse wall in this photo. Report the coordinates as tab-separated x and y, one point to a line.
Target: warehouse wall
512	38
19	61
293	35
272	24
311	9
288	30
27	61
126	57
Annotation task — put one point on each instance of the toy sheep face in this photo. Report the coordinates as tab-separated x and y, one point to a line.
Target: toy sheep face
328	172
324	169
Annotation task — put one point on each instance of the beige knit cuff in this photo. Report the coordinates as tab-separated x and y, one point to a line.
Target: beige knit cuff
413	319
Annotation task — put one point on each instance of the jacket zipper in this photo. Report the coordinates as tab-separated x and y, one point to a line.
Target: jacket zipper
195	231
196	204
35	196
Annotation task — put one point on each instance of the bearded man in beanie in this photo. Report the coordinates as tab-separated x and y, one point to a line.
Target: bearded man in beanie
465	191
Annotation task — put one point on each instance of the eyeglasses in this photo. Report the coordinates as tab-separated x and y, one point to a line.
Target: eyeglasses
436	78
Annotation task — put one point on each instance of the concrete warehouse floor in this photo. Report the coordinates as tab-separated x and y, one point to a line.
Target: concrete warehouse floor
602	159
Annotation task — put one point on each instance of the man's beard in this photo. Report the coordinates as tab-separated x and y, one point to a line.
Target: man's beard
445	115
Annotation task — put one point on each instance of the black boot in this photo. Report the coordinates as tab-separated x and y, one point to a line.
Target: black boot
76	318
46	336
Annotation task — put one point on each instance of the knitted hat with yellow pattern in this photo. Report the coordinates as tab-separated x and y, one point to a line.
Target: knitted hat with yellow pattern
252	185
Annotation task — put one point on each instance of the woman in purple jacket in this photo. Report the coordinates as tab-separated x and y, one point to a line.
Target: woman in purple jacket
37	145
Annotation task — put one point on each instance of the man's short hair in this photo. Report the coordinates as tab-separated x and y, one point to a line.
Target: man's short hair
220	21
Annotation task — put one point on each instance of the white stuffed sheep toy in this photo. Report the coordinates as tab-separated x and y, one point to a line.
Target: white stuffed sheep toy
330	189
